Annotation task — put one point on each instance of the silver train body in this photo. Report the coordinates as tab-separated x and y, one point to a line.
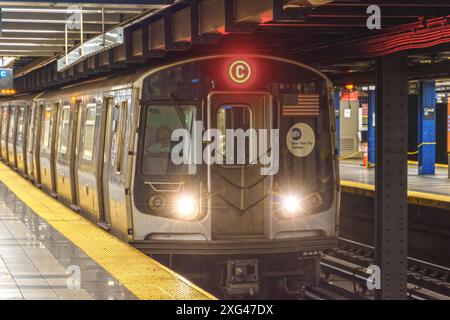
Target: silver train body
90	145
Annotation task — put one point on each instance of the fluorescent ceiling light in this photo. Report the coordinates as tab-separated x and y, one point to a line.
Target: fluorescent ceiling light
54	10
52	21
26	44
32	39
33	31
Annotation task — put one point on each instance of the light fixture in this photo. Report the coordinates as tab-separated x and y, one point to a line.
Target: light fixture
349	87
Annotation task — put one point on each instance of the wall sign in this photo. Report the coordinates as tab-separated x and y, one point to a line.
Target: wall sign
6	78
428	113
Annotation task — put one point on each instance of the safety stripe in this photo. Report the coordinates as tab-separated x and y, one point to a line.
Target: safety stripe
411	194
144	277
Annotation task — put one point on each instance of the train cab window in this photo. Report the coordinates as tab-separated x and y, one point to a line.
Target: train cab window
47	124
160	122
89	131
233	117
119	138
64	130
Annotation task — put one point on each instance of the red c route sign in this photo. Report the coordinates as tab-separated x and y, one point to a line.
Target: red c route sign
240	71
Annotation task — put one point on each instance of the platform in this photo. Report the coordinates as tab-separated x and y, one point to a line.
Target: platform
42	241
428	190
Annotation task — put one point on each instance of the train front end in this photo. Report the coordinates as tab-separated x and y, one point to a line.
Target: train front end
235	175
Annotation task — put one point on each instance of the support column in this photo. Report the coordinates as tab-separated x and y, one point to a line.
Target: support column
391	206
371	127
448	134
337	101
427	127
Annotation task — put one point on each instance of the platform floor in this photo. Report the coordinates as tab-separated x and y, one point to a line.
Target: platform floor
42	242
438	184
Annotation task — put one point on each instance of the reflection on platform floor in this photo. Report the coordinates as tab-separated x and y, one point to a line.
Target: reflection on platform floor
109	268
35	260
352	170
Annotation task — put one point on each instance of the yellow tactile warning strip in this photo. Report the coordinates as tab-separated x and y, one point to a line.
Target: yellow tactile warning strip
143	276
440	165
414	197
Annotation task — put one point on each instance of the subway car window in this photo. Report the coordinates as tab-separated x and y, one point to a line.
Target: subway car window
47	121
119	135
160	121
89	131
233	117
64	130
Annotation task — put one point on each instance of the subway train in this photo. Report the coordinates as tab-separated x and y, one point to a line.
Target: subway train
230	210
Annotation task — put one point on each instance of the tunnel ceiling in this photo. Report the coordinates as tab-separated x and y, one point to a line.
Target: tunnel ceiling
331	35
33	30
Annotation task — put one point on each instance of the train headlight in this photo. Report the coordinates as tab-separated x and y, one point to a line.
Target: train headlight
291	205
186	207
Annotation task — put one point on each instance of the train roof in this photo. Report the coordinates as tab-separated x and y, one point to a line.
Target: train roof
125	79
115	81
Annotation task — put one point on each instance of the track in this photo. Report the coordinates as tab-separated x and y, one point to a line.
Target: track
345	275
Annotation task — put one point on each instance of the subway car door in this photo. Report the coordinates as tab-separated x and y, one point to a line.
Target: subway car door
12	136
89	159
37	144
21	140
237	190
62	155
74	142
30	140
4	137
47	152
108	136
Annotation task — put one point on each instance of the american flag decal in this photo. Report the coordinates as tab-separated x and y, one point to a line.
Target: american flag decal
294	105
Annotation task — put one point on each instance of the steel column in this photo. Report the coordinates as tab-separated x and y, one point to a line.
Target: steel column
371	127
337	101
391	207
448	134
427	127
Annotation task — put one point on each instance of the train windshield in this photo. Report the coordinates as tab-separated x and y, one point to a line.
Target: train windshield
161	121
